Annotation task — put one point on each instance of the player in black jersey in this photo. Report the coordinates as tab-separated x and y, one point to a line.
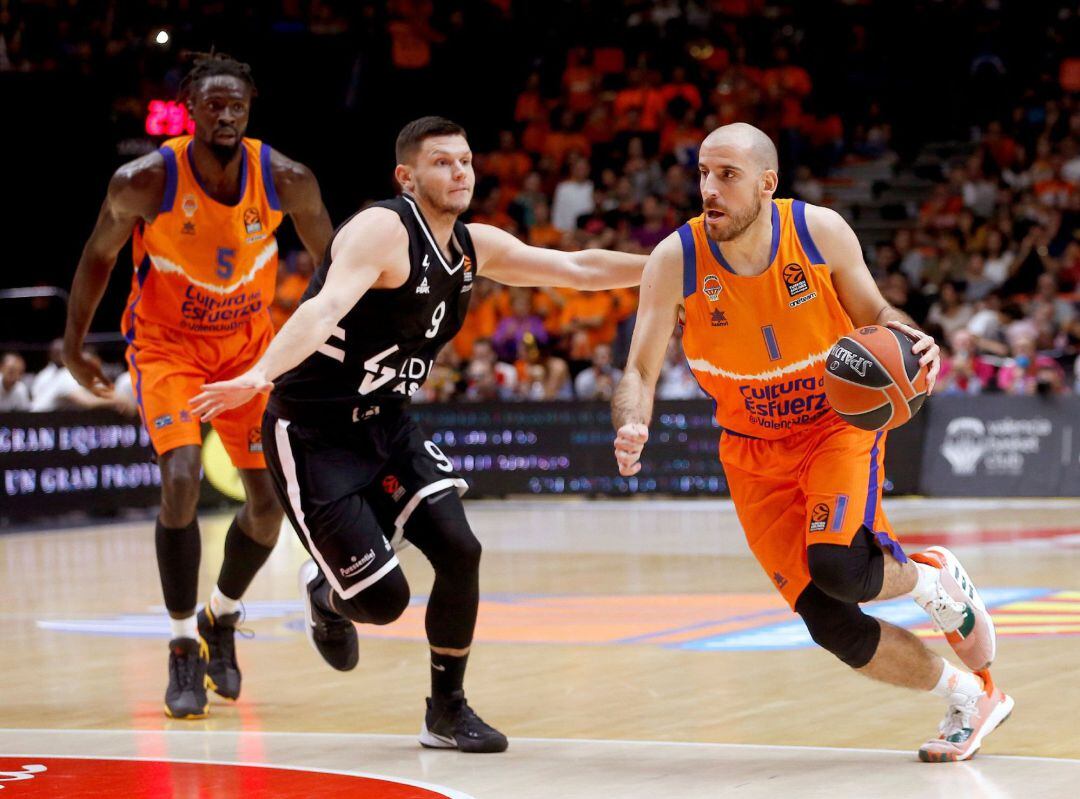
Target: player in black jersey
355	473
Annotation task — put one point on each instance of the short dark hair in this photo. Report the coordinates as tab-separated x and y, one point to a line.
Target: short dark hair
412	135
211	65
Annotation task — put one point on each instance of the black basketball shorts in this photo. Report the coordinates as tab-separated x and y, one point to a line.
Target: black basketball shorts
349	491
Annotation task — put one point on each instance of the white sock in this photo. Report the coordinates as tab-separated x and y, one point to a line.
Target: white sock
954	681
184	628
926	583
221	605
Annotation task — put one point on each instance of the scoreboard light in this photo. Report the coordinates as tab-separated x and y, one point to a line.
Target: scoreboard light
168	118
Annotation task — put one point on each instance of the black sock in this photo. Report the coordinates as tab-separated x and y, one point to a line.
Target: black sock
447	674
178	553
321	596
243	558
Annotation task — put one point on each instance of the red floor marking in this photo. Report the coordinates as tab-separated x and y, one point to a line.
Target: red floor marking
76	778
988	536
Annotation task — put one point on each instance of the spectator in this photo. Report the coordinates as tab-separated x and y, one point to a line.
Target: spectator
1028	372
522	321
60	391
541	375
950	312
486	378
14	395
1061	311
598	381
676	380
963	370
573	197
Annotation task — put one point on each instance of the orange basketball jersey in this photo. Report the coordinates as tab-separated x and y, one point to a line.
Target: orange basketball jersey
202	267
757	345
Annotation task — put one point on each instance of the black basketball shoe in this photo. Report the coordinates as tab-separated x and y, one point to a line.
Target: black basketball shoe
185	698
452	724
219	632
333	636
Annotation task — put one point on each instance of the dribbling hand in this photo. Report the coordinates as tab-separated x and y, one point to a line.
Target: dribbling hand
218	397
629	442
926	347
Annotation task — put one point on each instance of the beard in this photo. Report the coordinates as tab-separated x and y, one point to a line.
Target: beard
736	224
224	153
452	205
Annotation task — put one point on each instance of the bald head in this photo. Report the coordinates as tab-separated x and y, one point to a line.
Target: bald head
751	142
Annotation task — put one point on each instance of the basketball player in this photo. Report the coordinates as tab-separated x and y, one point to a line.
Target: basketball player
202	211
355	473
764	288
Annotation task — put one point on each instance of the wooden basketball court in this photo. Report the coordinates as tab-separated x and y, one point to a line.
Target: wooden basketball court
631	648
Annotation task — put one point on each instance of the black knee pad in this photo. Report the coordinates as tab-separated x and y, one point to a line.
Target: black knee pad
380	603
851	573
439	529
840	627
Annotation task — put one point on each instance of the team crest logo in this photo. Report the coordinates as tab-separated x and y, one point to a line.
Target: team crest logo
819	518
252	223
255	440
189	205
795	279
711	286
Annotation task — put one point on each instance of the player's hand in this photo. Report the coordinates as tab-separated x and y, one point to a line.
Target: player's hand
218	397
629	442
926	347
87	371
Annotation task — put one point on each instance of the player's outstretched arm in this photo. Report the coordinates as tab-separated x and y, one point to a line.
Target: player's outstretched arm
302	201
359	262
510	261
658	313
857	290
134	193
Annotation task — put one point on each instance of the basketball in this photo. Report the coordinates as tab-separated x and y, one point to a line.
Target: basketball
873	380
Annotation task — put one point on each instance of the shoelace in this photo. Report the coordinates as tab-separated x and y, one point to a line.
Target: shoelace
470	721
183	670
943	604
958	717
330	627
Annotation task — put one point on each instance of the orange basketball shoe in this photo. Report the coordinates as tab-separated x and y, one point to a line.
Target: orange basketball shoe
967	722
958	610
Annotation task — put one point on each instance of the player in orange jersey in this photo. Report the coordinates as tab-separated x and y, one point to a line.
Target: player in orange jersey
764	288
202	211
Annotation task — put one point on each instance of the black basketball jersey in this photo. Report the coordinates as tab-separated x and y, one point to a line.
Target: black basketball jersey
383	349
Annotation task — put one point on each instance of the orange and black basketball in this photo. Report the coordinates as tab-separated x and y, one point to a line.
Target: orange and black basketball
873	380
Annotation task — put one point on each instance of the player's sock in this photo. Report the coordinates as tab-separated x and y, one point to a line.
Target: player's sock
184	628
447	674
178	552
926	583
243	558
320	596
221	605
954	681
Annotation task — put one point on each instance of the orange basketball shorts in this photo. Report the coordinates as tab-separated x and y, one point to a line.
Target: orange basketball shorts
169	367
815	486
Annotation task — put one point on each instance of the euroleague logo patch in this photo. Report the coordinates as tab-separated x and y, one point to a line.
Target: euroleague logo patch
795	279
392	486
819	518
711	287
255	440
252	222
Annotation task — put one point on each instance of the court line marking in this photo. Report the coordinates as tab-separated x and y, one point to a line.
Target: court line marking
449	793
603	741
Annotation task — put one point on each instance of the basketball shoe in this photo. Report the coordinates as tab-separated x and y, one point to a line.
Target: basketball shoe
219	632
333	636
185	698
967	722
958	610
452	724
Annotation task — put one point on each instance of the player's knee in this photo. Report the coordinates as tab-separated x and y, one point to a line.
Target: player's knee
262	521
179	496
380	603
450	544
838	627
846	573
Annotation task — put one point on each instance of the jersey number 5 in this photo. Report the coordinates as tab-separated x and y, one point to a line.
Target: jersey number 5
225	265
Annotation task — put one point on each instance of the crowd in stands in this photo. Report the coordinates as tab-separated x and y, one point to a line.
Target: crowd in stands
605	156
